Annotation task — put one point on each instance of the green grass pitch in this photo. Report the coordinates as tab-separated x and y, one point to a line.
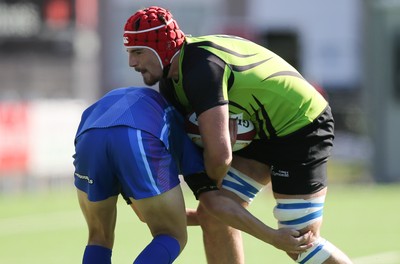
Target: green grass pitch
48	228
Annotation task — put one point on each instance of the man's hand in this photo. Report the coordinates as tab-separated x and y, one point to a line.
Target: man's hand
291	241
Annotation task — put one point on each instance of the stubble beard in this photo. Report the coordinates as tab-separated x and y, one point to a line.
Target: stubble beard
150	81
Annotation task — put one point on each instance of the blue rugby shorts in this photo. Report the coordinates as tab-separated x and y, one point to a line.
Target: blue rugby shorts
121	159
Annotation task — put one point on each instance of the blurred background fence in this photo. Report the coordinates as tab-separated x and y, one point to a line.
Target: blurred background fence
59	56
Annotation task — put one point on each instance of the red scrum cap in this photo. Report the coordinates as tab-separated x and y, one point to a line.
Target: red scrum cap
155	29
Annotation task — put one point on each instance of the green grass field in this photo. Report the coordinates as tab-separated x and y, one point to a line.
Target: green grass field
48	228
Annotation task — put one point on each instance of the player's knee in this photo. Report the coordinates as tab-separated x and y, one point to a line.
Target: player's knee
317	254
207	217
98	237
211	203
206	211
298	213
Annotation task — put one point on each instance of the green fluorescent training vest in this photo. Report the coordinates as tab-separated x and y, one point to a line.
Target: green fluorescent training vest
265	88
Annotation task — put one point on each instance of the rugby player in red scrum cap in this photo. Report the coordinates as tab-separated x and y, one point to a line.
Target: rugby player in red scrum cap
219	77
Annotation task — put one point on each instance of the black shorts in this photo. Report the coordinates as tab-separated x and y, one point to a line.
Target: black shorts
298	161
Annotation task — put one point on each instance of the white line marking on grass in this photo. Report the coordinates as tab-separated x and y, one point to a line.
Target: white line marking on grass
392	257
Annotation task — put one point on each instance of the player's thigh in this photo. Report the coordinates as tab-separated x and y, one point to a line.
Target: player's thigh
98	212
165	213
256	170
